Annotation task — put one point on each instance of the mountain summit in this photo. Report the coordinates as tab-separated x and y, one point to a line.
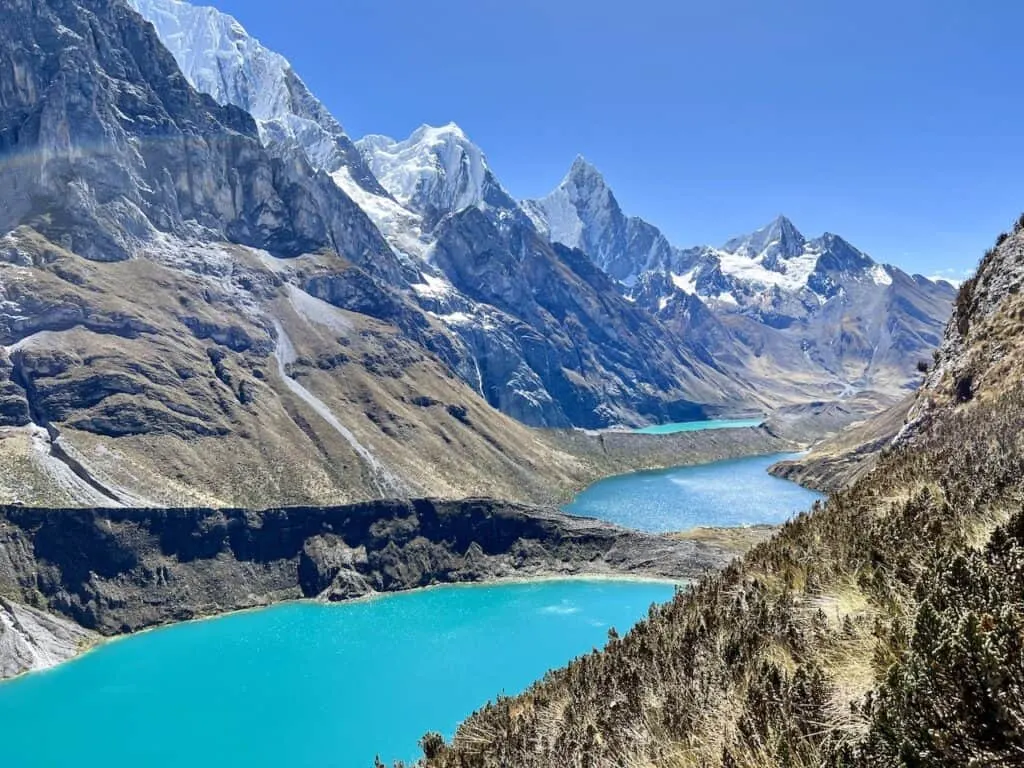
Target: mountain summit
326	302
582	212
772	289
435	171
773	242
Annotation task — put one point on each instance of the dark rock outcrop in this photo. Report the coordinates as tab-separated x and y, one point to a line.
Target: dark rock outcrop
563	346
121	570
14	410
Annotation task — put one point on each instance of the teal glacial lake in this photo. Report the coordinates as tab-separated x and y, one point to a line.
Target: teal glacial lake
309	685
726	493
697	426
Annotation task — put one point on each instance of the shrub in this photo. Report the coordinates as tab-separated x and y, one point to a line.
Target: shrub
432	745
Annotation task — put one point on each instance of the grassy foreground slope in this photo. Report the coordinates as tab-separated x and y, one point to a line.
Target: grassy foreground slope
883	628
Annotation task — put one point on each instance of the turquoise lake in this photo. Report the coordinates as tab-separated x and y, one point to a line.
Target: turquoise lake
725	493
312	685
697	426
309	685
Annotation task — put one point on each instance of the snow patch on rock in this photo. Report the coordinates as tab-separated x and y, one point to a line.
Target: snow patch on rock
402	228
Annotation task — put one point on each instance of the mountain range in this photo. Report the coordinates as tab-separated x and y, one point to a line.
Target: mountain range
818	311
204	279
815	292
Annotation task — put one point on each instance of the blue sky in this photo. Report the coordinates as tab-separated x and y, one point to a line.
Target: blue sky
895	123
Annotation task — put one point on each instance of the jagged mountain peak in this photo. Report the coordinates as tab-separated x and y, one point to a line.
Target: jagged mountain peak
427	144
450	131
581	170
584	179
123	150
582	212
839	254
425	138
778	239
219	57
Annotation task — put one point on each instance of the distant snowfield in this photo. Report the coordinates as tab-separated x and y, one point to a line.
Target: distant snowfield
796	271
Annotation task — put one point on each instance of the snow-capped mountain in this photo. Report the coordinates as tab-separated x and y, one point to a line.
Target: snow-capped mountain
498	295
436	171
582	212
820	307
777	241
483	265
220	58
774	264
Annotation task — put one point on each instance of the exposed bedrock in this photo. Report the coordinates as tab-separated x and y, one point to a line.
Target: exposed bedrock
113	571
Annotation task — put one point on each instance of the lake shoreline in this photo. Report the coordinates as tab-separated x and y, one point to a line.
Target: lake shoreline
102	641
339	668
728	493
152	568
722	546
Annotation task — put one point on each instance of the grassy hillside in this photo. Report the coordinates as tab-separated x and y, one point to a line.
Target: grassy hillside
882	628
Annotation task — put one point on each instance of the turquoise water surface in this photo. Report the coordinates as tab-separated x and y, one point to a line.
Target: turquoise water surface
698	426
307	684
725	493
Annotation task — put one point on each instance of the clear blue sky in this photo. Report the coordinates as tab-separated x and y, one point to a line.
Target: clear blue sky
895	123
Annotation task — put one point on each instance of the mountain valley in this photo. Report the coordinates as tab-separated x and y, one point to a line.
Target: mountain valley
247	358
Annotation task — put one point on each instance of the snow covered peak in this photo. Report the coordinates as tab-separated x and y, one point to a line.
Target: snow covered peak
586	185
449	132
220	58
581	171
437	170
778	240
580	212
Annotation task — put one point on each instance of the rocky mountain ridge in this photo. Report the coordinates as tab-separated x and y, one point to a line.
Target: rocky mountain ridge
305	336
503	345
772	294
781	300
221	59
194	314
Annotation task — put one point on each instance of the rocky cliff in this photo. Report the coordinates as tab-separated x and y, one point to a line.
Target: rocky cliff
515	309
188	317
192	313
218	57
66	574
108	145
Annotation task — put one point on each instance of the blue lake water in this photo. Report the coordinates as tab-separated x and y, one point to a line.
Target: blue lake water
697	426
305	684
725	493
313	685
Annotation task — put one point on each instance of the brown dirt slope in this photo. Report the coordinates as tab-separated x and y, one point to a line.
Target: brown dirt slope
217	375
